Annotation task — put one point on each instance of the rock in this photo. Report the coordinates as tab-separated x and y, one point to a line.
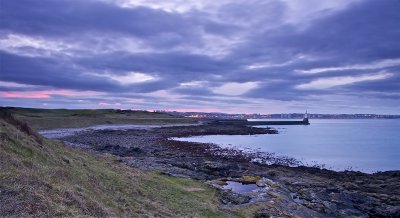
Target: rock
390	211
184	165
394	211
218	168
263	182
213	165
229	197
300	183
296	198
220	182
272	212
330	207
263	214
66	160
249	179
119	150
217	183
351	213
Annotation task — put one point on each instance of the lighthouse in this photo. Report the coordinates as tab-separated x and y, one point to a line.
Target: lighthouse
305	119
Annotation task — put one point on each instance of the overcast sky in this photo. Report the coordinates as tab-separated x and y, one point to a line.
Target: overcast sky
234	56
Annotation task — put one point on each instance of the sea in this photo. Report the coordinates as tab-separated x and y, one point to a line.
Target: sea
366	145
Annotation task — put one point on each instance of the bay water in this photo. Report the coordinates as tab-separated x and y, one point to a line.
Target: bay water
366	145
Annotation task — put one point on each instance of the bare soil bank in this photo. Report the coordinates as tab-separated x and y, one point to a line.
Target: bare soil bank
302	191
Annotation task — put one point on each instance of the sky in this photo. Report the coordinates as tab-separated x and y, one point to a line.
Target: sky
232	56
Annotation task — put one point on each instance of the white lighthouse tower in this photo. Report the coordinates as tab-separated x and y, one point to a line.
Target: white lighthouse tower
305	119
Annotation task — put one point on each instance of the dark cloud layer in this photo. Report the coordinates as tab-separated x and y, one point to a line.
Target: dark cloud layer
266	49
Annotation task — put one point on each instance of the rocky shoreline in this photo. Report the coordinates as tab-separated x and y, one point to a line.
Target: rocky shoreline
280	189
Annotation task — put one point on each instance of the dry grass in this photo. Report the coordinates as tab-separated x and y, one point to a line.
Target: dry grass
45	178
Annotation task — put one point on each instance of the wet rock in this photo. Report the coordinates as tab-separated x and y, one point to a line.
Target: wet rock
393	211
218	168
228	197
118	150
272	212
330	207
211	165
262	214
296	198
184	165
300	183
352	213
389	211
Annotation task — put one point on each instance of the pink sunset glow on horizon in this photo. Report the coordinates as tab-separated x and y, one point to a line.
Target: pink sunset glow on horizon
45	94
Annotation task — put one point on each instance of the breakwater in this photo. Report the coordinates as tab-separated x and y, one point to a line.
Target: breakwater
262	123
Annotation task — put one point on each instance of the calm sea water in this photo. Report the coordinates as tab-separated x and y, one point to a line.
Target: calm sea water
363	145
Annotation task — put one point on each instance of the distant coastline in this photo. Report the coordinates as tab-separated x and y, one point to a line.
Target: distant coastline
284	116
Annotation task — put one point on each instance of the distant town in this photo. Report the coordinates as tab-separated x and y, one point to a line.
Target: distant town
217	115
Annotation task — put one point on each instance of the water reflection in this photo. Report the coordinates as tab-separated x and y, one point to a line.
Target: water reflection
364	145
239	187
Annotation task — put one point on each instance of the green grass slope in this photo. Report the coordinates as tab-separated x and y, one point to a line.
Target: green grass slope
40	119
41	177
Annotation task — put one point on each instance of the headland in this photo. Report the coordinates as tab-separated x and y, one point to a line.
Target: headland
279	188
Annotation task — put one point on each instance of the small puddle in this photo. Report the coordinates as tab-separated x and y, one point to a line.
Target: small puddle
239	187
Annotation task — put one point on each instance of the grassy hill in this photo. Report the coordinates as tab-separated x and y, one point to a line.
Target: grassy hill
41	177
40	119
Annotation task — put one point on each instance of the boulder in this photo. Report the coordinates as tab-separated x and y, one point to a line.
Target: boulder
263	182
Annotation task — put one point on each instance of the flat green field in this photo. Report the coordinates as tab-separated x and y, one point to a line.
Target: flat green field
41	119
